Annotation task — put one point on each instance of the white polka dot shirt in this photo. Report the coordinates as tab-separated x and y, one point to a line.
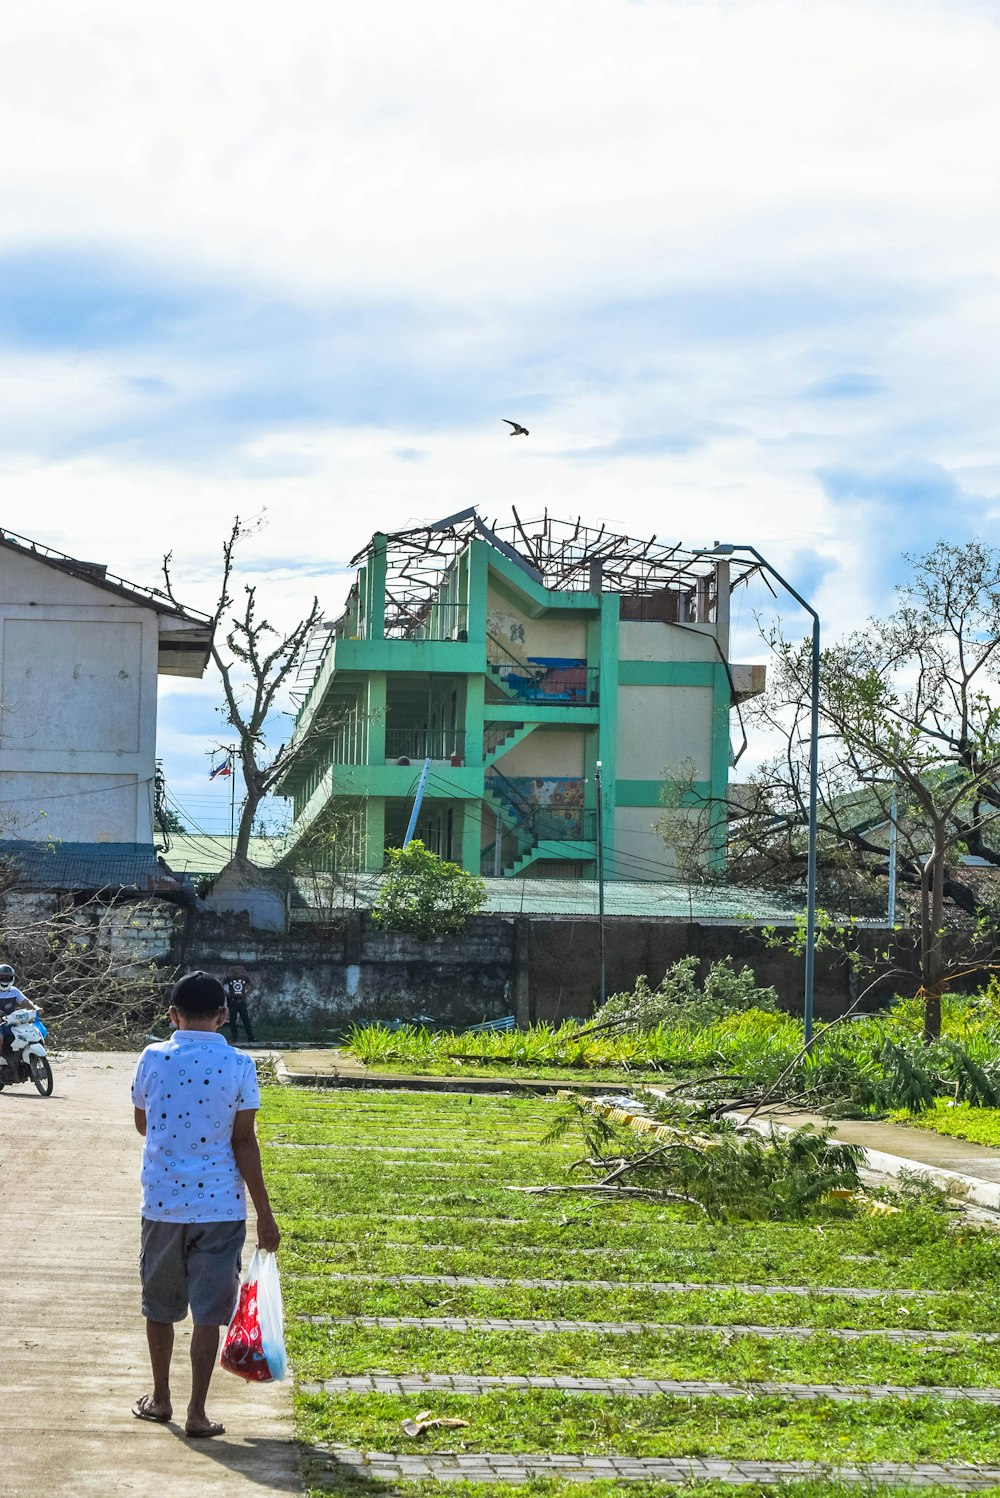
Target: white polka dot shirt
191	1087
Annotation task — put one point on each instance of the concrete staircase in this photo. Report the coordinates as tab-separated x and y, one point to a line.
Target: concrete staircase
513	734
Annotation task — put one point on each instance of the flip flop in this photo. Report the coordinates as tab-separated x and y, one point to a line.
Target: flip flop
215	1429
141	1410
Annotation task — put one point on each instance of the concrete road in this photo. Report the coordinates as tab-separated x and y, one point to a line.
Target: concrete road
72	1341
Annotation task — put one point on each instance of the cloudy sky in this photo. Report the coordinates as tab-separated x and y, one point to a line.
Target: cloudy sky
734	262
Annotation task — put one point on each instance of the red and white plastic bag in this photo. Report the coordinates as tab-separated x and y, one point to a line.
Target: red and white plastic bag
254	1348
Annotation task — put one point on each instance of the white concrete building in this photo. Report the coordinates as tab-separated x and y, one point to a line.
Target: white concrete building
80	650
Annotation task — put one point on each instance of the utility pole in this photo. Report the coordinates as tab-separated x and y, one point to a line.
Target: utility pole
600	884
418	798
232	801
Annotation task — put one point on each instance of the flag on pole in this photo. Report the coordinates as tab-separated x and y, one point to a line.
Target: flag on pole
226	768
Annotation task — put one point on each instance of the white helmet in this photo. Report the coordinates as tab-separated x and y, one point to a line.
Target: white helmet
7	974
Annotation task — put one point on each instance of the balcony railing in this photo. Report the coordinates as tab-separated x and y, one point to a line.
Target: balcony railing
427	621
568	825
558	680
425	743
562	820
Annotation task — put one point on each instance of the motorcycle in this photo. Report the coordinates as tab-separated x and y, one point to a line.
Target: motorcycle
30	1059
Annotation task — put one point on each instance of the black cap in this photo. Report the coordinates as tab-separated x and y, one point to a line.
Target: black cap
198	993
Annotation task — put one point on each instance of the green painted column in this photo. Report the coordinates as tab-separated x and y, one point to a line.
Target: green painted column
374	709
478	581
363	622
471	836
475	717
474	813
374	747
376	587
374	851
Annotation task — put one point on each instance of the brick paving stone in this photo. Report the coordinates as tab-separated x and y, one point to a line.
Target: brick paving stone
513	1248
471	1384
516	1467
631	1328
653	1287
514	1222
387	1149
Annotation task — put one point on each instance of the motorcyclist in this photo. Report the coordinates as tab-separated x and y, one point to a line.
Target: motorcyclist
11	998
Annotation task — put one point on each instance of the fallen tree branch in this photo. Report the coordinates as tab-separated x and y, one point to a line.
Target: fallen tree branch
773	1095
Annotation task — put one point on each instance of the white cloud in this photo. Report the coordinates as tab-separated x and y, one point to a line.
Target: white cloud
506	152
736	244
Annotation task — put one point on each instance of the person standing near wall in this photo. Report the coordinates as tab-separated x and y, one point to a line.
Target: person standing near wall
238	986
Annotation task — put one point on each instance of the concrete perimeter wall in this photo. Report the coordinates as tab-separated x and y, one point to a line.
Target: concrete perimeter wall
323	978
320	979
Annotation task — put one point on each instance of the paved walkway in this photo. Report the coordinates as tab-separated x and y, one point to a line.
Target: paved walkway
333	1068
74	1349
922	1147
656	1328
650	1287
521	1467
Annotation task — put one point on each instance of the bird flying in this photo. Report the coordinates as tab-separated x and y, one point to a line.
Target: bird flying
519	431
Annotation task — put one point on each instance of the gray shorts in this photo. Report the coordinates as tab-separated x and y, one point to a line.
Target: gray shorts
190	1263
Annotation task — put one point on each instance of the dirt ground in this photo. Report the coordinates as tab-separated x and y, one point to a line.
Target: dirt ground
74	1349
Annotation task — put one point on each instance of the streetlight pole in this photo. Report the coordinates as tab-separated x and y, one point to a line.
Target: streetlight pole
807	1003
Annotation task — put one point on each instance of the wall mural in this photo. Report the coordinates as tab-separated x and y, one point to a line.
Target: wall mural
554	678
556	802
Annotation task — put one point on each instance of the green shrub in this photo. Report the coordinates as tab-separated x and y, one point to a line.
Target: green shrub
679	997
424	895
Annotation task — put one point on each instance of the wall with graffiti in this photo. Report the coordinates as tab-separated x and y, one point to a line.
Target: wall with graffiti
537	637
554	802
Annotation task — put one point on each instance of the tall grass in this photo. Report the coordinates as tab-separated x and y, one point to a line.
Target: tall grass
870	1065
766	1037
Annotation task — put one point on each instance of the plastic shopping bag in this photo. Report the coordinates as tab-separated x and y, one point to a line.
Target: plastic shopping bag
254	1348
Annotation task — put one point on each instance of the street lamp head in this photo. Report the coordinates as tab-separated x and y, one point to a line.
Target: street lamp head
720	549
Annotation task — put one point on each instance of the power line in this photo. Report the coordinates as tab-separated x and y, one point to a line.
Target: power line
183	811
472	808
100	790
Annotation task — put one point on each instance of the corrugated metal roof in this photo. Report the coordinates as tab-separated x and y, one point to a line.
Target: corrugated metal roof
675	902
89	866
579	898
198	854
201	854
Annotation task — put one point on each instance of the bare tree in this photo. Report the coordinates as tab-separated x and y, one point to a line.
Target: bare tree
910	728
76	957
254	661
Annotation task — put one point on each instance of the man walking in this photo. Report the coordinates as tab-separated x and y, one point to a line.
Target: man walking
195	1100
238	986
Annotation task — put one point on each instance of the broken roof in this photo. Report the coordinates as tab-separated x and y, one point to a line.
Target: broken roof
563	555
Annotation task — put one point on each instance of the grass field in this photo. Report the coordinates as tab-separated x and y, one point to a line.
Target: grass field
959	1120
370	1186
